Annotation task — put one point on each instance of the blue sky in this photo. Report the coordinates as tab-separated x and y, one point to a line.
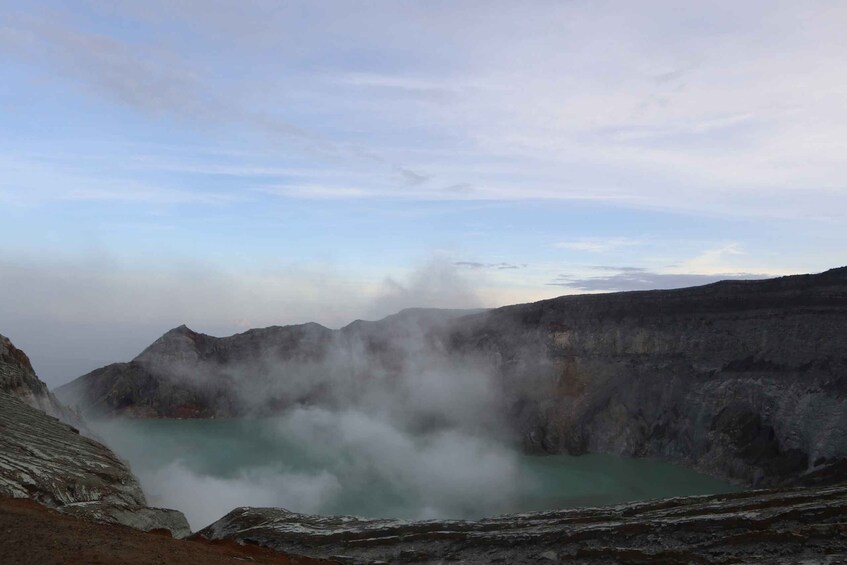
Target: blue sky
241	164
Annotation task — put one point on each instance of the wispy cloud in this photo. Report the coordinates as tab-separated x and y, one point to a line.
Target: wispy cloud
317	191
639	279
151	80
412	178
32	182
497	266
597	244
625	109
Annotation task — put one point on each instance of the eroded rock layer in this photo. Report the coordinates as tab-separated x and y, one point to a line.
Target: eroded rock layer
18	379
47	460
776	526
43	459
745	380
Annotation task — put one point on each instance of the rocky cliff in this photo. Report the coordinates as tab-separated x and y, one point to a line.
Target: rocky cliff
742	379
17	378
49	461
746	380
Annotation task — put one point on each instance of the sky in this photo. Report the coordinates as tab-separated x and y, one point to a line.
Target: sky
237	164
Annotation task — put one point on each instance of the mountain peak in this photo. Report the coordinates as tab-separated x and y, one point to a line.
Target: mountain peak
178	343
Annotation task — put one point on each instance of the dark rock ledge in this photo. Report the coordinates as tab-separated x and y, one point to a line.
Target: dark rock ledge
764	526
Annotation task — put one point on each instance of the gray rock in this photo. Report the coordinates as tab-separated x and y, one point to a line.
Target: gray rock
143	518
48	460
746	380
765	526
18	379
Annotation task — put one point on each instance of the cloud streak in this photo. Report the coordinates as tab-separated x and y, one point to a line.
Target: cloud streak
597	244
626	109
641	279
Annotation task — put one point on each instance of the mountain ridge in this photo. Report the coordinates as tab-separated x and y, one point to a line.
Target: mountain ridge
745	380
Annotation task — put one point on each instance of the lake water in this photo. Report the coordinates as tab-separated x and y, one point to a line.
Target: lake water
318	462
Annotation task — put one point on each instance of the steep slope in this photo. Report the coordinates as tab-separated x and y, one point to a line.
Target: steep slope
186	374
46	460
18	379
746	380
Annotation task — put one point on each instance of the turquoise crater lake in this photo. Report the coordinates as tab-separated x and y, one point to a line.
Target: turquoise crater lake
319	462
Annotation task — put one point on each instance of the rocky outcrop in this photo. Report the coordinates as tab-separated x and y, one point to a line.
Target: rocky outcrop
142	518
746	380
47	460
778	526
18	379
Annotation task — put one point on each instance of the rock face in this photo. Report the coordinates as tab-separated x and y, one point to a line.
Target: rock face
18	379
49	461
778	526
746	380
186	374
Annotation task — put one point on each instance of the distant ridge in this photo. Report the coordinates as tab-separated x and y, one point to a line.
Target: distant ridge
746	380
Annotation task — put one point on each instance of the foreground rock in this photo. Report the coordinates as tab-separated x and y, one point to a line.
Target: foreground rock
33	534
18	379
49	461
777	526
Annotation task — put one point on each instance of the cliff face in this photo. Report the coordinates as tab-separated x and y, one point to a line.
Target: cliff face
47	460
17	378
745	380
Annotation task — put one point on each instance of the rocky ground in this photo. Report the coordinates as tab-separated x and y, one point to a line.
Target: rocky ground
776	526
31	534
